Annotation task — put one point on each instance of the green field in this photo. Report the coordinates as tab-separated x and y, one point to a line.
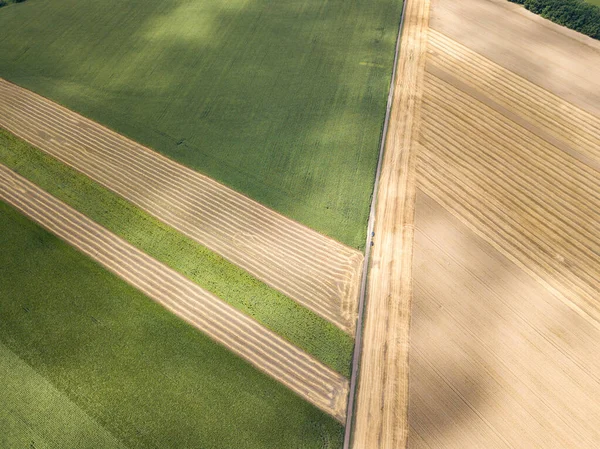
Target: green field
34	414
284	316
282	100
119	364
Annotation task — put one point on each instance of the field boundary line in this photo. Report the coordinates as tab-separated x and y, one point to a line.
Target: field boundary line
381	419
266	351
369	240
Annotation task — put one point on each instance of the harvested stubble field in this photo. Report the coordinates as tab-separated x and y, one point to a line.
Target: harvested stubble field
505	321
285	317
282	101
139	372
382	395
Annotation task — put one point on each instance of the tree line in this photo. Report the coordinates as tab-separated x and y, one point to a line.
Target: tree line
575	14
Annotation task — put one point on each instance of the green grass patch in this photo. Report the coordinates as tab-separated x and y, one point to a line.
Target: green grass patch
274	310
34	414
147	377
281	100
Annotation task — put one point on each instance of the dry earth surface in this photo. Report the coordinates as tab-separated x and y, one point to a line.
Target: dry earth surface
382	396
316	271
265	350
505	319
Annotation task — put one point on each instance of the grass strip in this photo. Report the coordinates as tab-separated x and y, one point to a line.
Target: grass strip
147	377
272	309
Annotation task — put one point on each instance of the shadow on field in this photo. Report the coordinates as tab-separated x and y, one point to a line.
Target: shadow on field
271	98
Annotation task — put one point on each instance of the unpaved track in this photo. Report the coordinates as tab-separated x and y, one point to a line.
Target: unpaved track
317	272
265	350
505	329
381	409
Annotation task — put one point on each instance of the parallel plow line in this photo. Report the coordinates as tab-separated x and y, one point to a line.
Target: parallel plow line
497	178
314	270
564	121
268	352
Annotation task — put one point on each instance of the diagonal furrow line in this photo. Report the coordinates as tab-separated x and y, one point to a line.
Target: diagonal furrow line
513	139
240	257
265	350
491	223
316	271
574	209
549	112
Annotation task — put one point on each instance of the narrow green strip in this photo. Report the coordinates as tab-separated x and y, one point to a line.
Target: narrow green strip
275	311
146	376
34	414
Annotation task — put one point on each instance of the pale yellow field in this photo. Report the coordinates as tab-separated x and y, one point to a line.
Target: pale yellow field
381	406
505	330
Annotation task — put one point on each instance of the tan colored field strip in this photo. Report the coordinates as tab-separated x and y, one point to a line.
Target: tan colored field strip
265	350
496	360
574	126
318	272
536	204
549	55
382	401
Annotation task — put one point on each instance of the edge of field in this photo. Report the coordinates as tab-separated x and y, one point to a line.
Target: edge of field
355	369
275	311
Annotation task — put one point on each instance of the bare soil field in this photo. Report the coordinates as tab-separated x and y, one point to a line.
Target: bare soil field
265	350
316	271
382	397
506	312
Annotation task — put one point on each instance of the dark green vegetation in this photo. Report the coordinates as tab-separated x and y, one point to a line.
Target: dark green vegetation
277	312
575	14
282	100
142	374
8	2
27	398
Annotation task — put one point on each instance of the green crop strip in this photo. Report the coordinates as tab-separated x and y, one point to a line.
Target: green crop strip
141	373
275	311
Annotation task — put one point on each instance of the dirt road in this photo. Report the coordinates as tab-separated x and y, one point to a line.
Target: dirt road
265	350
506	312
381	406
318	272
